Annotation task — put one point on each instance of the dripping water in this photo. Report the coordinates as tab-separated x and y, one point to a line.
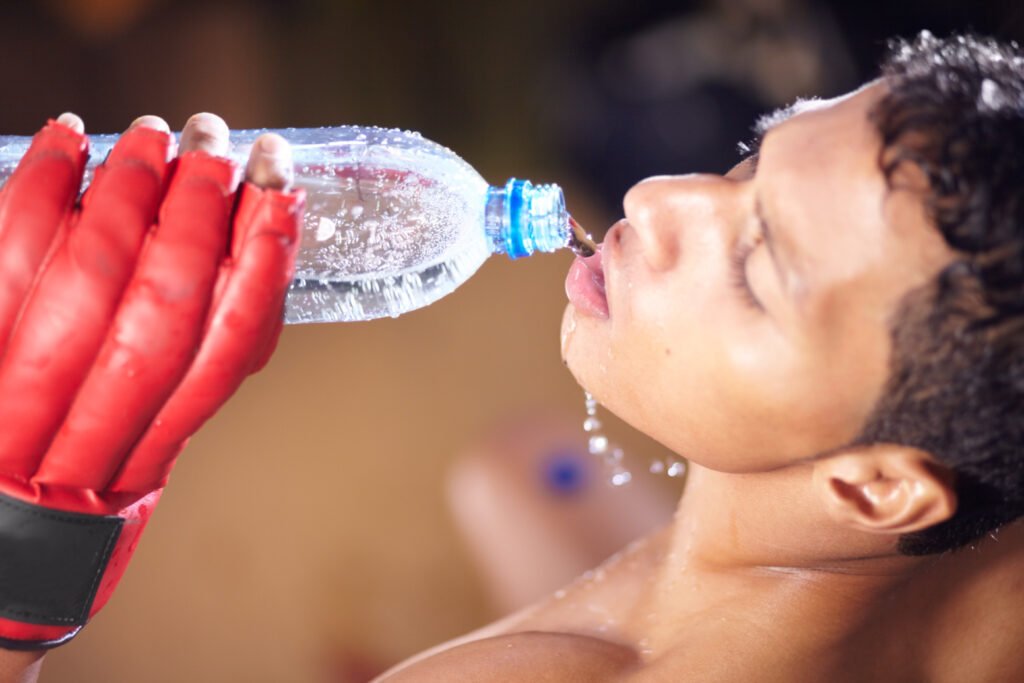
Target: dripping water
612	455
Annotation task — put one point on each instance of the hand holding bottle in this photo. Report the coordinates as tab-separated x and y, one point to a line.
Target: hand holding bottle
126	320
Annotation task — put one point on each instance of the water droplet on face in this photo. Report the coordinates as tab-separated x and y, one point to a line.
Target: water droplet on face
597	444
657	467
591	424
621	478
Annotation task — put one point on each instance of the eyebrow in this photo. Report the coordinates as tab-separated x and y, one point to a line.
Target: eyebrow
751	149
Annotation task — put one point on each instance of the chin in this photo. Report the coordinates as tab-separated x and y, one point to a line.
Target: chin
581	351
570	341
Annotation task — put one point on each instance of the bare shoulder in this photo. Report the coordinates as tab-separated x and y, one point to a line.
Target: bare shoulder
529	656
580	633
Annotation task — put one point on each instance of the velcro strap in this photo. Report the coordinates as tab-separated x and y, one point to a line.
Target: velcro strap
51	562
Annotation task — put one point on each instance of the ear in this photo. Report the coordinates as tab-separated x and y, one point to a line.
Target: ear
885	489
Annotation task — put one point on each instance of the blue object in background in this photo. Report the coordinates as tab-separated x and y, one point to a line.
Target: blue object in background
565	472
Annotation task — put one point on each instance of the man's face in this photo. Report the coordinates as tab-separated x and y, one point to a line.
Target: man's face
749	314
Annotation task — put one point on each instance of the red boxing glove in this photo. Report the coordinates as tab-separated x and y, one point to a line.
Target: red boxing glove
125	322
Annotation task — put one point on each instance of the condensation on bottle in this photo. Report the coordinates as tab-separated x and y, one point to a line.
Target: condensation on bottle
393	221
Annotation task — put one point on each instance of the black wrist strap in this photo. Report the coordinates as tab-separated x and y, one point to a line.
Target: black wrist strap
51	563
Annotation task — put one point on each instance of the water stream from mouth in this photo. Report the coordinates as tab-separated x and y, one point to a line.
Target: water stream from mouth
612	455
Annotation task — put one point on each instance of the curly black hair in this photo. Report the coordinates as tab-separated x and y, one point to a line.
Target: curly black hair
955	110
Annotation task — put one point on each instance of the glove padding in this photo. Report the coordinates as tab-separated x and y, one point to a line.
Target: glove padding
126	320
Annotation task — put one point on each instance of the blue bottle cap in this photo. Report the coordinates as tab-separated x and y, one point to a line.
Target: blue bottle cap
523	218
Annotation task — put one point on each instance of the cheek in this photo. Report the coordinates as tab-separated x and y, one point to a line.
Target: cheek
698	380
689	365
589	354
786	398
731	394
742	403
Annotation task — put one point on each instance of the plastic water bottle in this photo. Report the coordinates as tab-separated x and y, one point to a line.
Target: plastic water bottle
393	221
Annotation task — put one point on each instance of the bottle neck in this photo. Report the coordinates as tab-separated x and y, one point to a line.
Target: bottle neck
522	218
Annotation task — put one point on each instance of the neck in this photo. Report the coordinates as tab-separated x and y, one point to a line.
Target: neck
766	520
756	550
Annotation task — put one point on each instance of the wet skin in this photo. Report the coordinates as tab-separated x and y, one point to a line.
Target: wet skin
746	326
749	381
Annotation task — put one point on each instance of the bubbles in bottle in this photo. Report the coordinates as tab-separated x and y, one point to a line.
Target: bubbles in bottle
384	233
325	229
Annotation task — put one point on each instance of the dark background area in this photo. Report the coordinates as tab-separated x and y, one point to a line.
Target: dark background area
305	535
610	90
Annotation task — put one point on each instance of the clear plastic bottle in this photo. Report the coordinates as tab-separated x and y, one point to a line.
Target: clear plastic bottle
393	221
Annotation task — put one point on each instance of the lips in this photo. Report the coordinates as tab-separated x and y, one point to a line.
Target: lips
584	286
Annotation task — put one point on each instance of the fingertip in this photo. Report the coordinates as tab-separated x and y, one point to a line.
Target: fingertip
270	163
207	121
205	132
273	144
150	121
72	121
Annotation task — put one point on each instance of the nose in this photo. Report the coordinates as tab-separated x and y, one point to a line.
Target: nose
669	212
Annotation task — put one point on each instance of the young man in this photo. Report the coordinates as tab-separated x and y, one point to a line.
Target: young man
831	333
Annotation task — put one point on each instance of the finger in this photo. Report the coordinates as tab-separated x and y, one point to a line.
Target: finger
245	320
156	332
72	121
270	163
150	121
269	166
205	133
67	316
33	205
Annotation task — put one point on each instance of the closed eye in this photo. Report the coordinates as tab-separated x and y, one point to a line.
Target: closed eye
738	272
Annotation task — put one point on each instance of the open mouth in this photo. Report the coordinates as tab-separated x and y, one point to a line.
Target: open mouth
584	286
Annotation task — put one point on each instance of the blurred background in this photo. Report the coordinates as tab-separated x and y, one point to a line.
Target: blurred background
328	522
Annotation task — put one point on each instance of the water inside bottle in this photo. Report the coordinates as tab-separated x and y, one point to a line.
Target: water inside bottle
377	221
379	242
